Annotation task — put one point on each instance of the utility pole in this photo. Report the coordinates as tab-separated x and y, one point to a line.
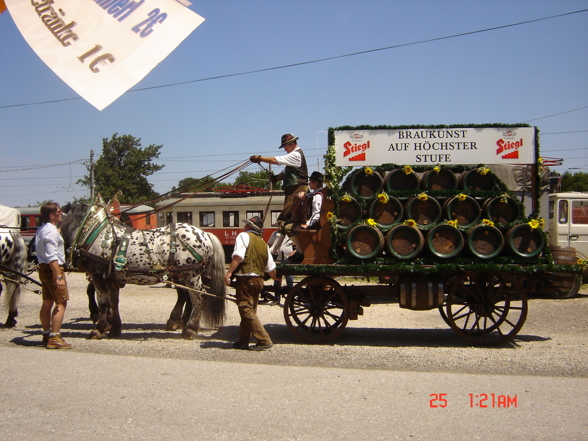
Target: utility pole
91	176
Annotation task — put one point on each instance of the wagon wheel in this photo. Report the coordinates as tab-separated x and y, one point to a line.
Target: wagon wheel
447	285
316	309
486	309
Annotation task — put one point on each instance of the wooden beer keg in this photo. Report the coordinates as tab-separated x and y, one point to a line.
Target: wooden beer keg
426	212
365	242
524	241
399	180
404	242
464	209
445	241
439	179
388	213
485	241
563	255
502	209
477	180
350	212
366	185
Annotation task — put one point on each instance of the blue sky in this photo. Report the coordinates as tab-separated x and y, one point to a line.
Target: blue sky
535	73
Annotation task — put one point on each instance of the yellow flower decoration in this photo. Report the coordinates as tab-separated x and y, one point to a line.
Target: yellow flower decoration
437	169
346	198
462	197
330	215
541	222
368	170
423	197
453	223
383	198
483	171
488	222
372	222
534	224
582	262
407	169
541	161
410	222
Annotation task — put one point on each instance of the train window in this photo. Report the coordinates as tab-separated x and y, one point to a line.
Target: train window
551	209
169	218
251	214
230	218
185	217
275	215
207	218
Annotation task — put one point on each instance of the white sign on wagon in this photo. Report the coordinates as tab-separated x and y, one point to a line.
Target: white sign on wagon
101	48
433	146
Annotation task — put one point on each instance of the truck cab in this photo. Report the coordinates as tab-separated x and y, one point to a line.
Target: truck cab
568	221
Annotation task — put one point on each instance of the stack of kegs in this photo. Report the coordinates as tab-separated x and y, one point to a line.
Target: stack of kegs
436	213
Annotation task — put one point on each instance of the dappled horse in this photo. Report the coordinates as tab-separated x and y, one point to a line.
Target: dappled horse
113	254
13	251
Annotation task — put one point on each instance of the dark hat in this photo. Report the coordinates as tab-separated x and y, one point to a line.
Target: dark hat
317	176
287	139
255	222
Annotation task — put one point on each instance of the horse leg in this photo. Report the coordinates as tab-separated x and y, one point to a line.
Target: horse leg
176	319
92	305
103	320
114	320
190	331
12	299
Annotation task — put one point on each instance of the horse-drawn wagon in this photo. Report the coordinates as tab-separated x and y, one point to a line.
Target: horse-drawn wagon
445	217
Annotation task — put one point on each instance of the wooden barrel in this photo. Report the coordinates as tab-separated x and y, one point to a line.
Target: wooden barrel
387	214
404	242
421	293
474	180
524	241
398	180
485	241
445	241
350	212
502	209
365	242
564	255
443	179
366	185
425	213
466	212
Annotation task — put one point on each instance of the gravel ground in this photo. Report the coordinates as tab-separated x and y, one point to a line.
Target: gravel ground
552	342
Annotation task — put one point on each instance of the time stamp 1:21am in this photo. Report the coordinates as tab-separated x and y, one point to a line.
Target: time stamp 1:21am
478	400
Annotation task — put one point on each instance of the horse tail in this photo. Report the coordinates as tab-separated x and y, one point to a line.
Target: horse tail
214	307
18	263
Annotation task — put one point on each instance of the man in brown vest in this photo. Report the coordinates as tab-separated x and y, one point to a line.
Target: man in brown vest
250	260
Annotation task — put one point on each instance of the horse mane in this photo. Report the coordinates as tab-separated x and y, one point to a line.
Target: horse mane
74	215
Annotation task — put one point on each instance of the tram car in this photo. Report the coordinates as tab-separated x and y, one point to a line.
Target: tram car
222	212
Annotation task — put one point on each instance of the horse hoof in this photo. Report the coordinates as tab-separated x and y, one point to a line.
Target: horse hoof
95	335
9	324
172	326
189	334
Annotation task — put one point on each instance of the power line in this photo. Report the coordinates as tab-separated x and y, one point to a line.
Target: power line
322	60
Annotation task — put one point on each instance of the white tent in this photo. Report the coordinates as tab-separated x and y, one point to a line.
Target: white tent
9	217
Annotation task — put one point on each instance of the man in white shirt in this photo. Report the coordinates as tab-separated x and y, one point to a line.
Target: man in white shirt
51	255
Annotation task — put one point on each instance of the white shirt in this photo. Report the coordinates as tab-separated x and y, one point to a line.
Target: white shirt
317	201
293	159
241	244
49	244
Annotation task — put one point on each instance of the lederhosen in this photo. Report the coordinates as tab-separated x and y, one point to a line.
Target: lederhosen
295	181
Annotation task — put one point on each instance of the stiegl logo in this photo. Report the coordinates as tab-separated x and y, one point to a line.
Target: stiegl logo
356	150
509	149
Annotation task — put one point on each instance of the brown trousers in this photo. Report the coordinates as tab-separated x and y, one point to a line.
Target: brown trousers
248	290
285	216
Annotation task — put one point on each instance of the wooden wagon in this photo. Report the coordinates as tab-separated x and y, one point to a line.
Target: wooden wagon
466	239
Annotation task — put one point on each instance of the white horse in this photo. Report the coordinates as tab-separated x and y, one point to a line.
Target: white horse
13	257
113	254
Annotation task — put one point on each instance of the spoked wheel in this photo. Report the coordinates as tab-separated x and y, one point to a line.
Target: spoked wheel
486	309
316	310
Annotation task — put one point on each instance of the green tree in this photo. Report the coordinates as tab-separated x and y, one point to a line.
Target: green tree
574	182
125	166
259	179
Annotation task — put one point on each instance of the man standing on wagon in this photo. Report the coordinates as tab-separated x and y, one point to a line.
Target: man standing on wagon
294	178
251	259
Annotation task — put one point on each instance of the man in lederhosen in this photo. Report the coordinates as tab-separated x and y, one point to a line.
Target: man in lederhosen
294	179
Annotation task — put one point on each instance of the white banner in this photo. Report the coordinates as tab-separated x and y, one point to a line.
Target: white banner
425	146
101	48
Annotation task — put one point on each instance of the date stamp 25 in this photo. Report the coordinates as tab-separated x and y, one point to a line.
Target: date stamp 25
483	401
